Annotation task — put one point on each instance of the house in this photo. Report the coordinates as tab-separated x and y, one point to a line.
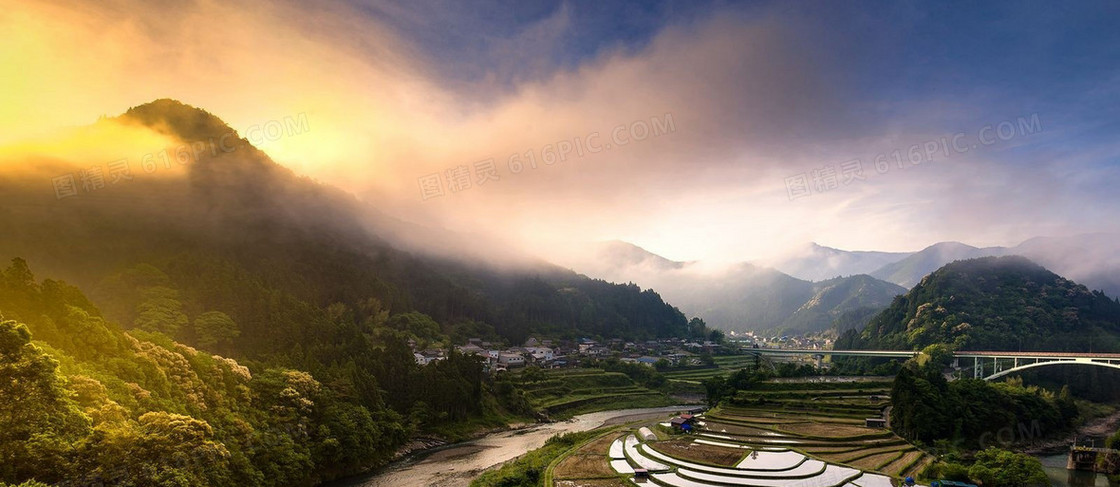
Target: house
641	475
875	423
471	349
682	423
511	359
540	354
425	358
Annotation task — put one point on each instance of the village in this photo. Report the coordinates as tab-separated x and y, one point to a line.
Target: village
550	353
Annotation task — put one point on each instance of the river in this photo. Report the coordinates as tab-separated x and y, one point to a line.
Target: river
1055	466
456	465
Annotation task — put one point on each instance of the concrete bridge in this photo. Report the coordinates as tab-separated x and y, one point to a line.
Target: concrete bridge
985	364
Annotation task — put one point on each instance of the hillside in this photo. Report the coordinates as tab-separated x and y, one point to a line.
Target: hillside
240	219
840	300
995	303
249	317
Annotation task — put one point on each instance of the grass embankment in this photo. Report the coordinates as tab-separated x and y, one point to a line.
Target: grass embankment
531	468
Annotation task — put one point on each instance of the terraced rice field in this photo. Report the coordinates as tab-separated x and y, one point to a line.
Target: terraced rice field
723	365
812	441
563	393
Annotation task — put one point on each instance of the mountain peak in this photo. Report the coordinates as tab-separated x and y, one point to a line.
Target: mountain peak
179	119
621	252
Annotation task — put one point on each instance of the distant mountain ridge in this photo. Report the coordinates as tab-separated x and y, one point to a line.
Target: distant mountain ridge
911	269
744	296
1092	259
779	293
815	262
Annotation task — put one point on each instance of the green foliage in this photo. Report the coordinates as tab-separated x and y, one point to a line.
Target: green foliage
215	329
1001	468
92	404
39	422
309	301
973	412
720	388
994	303
529	469
1113	441
161	311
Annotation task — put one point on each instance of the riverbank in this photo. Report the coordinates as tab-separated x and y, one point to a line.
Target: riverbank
426	443
456	464
1100	427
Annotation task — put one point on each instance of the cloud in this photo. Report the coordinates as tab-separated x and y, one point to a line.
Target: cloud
755	95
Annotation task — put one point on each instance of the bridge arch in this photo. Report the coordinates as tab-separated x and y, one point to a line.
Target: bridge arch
1032	365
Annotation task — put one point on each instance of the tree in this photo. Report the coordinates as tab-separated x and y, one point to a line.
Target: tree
716	388
417	325
161	311
160	449
697	328
716	336
214	329
1001	468
39	423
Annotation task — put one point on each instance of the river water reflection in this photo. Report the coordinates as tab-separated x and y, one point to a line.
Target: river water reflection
456	465
1055	466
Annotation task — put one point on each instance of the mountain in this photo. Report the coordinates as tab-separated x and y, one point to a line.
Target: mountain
1093	259
908	271
236	208
224	321
743	296
815	262
844	302
622	255
995	303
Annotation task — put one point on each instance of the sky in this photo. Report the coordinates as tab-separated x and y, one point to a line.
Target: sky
716	131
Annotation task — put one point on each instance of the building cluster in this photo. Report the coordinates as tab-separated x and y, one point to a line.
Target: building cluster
550	354
814	341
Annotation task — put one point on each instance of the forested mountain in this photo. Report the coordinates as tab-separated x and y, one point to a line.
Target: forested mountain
211	248
843	302
995	303
744	296
235	221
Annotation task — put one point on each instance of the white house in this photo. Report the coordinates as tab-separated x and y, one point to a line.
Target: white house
423	359
540	353
511	359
